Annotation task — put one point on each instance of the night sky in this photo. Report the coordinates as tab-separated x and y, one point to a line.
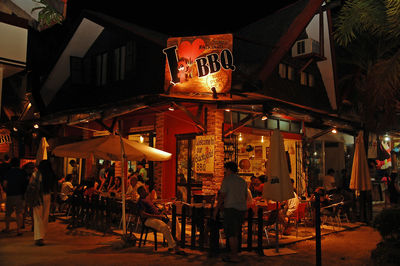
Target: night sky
179	18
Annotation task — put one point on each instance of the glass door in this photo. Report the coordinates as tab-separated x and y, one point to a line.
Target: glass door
187	182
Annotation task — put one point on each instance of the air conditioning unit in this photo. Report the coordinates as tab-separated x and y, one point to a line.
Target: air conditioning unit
305	47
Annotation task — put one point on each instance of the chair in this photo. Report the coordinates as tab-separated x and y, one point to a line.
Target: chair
269	220
299	215
145	231
332	213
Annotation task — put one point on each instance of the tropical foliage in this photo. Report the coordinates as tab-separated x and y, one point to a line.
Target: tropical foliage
48	15
368	33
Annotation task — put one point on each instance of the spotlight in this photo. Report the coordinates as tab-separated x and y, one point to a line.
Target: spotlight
386	138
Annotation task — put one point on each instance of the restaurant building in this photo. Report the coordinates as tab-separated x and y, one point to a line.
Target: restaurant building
205	99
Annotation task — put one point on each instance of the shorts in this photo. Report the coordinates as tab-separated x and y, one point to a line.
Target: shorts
233	220
16	202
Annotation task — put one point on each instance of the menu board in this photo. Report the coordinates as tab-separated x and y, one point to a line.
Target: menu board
204	154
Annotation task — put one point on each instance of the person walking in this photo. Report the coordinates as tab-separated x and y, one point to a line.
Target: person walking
233	197
15	184
48	182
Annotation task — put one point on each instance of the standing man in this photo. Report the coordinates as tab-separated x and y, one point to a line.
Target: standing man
15	184
233	196
143	171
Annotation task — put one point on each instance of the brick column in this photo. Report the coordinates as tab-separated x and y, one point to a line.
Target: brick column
215	119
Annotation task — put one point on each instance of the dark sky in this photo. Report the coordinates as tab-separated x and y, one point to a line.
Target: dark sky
176	18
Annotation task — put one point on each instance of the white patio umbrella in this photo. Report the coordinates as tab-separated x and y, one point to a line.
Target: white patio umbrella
360	179
116	148
278	186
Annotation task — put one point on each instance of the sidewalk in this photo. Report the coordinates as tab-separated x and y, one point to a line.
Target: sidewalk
87	247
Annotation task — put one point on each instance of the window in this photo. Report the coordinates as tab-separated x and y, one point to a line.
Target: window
101	69
290	73
306	79
272	123
130	56
286	71
284	125
119	63
282	70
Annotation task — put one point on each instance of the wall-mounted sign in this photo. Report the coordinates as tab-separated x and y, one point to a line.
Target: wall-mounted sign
5	137
204	154
199	65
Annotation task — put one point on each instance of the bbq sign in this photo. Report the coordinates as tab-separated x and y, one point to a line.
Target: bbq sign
200	65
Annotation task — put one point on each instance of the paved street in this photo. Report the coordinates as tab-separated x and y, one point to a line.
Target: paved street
87	247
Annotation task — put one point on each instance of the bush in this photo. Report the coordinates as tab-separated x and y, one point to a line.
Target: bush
387	222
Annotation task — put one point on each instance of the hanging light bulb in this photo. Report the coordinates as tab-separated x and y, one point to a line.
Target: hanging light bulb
36	126
334	131
240	137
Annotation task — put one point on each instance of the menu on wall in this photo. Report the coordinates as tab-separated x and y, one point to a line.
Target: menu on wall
204	154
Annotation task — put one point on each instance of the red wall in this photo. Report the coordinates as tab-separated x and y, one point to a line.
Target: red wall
176	122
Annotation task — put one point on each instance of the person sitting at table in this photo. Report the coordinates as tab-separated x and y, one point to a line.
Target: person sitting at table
67	189
258	187
289	208
134	184
90	189
116	188
154	218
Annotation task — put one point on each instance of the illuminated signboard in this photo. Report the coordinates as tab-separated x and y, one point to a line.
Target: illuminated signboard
199	65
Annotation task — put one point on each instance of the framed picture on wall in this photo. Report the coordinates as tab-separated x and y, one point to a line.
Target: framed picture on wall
258	152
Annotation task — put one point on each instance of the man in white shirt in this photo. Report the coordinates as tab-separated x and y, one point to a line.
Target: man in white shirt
233	196
134	184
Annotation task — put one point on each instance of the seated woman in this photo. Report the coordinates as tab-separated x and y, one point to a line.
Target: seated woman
116	187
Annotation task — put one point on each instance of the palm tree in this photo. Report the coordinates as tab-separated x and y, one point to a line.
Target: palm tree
368	35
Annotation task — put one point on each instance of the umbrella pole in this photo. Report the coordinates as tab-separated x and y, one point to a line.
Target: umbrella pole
123	187
277	228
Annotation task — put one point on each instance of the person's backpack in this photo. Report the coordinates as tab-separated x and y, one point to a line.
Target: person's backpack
33	193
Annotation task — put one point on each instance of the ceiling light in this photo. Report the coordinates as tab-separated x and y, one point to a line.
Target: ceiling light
171	108
36	126
334	131
264	117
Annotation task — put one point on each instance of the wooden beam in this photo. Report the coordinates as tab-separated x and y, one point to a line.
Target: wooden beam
191	116
249	118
